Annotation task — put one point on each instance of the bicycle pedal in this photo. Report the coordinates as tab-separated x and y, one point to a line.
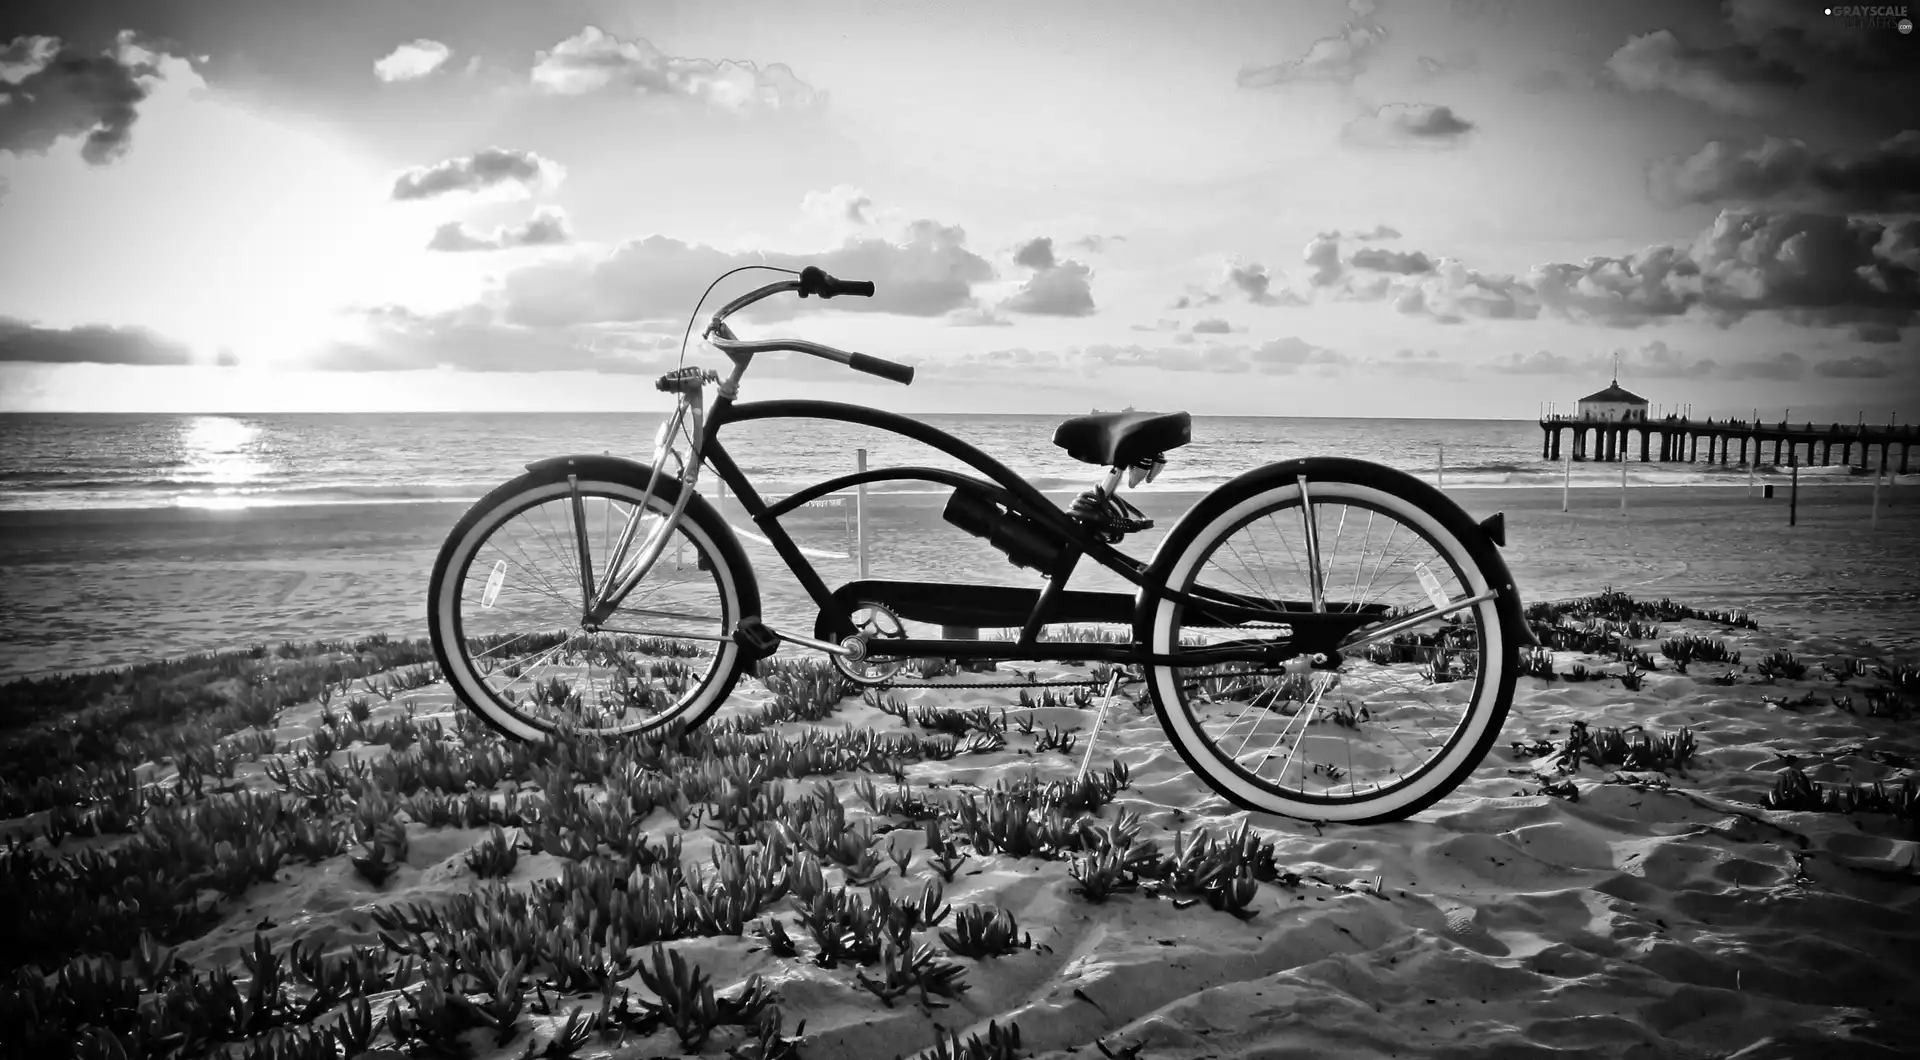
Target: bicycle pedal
755	638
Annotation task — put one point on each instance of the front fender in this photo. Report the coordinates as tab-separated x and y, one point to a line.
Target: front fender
636	474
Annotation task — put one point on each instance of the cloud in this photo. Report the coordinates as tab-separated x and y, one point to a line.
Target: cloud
1284	356
926	271
89	344
1865	72
1378	232
1824	268
49	90
1061	291
412	61
1733	80
547	227
1337	59
1541	82
1429	68
1539	362
1391	261
1323	256
474	340
1876	333
1097	244
1781	366
1656	360
1854	368
594	61
1253	280
1035	253
977	315
1212	326
1885	177
484	170
842	204
1408	125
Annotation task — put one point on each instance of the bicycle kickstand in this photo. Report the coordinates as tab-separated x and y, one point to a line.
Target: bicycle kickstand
1106	701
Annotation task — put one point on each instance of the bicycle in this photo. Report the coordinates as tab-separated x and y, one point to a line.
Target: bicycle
1239	669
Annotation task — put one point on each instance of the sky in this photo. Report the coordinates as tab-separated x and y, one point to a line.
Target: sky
1468	208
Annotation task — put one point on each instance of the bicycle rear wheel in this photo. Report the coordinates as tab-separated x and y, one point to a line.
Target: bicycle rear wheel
1406	716
507	602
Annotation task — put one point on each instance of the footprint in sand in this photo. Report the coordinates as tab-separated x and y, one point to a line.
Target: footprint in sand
1463	924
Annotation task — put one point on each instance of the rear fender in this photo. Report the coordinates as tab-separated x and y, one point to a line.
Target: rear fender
1479	538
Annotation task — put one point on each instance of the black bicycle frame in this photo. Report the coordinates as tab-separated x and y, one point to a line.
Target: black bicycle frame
977	604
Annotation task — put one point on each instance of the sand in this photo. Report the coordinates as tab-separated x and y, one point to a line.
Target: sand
1654	916
83	589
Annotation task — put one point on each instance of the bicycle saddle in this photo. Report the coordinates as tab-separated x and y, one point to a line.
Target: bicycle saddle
1123	438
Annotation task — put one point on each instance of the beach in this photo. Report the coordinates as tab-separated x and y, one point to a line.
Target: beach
111	587
1547	907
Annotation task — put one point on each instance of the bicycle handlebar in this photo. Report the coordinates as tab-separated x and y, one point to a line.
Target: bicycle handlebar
813	280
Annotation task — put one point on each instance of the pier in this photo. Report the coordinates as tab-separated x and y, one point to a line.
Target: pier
1677	439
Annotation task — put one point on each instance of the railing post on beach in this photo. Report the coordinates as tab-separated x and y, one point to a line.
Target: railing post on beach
860	510
1623	487
1873	520
1440	467
1566	487
1793	494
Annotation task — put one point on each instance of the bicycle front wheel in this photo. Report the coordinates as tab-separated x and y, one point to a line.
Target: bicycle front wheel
508	604
1412	706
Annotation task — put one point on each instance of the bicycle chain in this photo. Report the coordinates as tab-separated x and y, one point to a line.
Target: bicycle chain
1091	682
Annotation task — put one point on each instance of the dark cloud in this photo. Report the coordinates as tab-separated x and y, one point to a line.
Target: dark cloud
1060	291
547	227
1035	254
1408	125
1854	368
487	168
1391	261
1878	334
595	61
1861	72
1785	367
1212	326
89	344
49	90
1733	80
929	272
1337	59
1826	269
1885	177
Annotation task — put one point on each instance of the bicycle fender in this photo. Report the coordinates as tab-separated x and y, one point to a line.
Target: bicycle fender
620	468
1473	535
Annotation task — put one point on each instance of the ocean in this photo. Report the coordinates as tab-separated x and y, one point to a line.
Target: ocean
59	461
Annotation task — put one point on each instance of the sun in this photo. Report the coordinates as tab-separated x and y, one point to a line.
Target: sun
250	236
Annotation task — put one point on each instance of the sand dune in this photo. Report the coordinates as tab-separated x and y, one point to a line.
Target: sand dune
1652	915
1639	914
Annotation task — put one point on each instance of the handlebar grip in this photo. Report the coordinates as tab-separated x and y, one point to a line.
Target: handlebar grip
880	366
814	280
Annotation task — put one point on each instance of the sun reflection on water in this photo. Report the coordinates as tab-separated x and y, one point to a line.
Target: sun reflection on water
222	457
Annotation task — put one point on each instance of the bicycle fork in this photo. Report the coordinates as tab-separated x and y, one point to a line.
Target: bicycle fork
597	605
